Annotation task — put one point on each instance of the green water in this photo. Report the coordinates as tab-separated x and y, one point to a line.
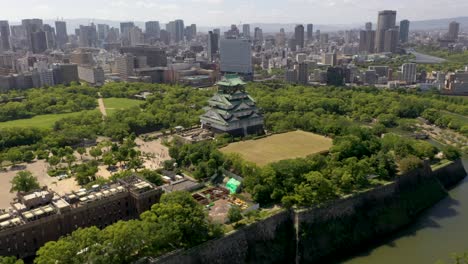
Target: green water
437	233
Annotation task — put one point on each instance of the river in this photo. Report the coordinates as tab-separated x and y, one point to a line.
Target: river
435	235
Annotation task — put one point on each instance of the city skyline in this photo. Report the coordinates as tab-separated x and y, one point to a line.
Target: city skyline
224	12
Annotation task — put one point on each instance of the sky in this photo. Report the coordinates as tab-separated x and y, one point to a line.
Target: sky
226	12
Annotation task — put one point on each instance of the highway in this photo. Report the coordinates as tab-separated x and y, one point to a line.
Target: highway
424	58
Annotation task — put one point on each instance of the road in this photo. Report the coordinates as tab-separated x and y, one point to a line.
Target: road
424	58
102	107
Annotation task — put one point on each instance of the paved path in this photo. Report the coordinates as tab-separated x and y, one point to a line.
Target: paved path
102	107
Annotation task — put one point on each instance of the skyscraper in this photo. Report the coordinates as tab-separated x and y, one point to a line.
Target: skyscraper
246	30
258	36
102	31
179	30
310	32
50	36
153	29
31	26
454	28
38	41
404	30
125	32
213	40
61	33
368	26
88	36
4	35
367	41
236	57
408	73
386	21
299	35
391	40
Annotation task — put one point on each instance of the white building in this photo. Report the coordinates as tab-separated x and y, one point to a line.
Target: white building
408	73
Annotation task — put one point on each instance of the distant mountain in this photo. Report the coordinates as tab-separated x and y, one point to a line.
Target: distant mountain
432	24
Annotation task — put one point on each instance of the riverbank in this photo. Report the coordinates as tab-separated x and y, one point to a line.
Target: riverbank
335	229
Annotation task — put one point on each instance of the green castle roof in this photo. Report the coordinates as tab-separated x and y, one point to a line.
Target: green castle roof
231	80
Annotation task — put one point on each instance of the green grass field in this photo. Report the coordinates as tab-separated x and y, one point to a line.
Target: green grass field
280	147
461	118
40	121
114	104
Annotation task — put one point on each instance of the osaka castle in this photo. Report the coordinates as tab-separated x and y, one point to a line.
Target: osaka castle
232	110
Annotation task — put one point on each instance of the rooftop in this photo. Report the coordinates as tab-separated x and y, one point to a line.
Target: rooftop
231	80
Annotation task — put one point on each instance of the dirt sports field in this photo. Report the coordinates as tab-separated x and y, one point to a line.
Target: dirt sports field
280	147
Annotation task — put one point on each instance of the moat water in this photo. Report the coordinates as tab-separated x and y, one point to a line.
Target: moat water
438	233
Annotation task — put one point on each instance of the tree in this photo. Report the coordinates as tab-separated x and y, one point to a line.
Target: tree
24	181
182	221
451	153
81	151
152	176
95	152
410	163
53	161
234	214
14	155
317	189
28	156
10	260
70	158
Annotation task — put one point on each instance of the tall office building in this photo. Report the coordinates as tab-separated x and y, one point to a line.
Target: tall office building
4	35
368	26
136	36
303	73
236	57
408	73
454	29
88	36
61	33
258	36
391	40
102	32
153	29
404	31
386	21
190	32
125	32
213	40
367	41
310	32
38	42
50	36
299	35
246	30
31	26
179	30
193	28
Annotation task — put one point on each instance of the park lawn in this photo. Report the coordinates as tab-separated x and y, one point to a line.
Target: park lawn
39	121
278	147
120	103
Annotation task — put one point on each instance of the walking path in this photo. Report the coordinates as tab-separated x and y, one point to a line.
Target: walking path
102	107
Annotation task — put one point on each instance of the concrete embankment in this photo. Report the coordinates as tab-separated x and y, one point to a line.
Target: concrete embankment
315	235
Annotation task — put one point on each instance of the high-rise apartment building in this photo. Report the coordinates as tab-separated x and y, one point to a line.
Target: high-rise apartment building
236	57
299	35
386	21
246	31
4	35
310	32
454	29
61	33
404	30
408	73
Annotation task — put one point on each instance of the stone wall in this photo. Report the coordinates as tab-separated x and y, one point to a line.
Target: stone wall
313	235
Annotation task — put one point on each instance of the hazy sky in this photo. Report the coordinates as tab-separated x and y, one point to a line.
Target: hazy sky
225	12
